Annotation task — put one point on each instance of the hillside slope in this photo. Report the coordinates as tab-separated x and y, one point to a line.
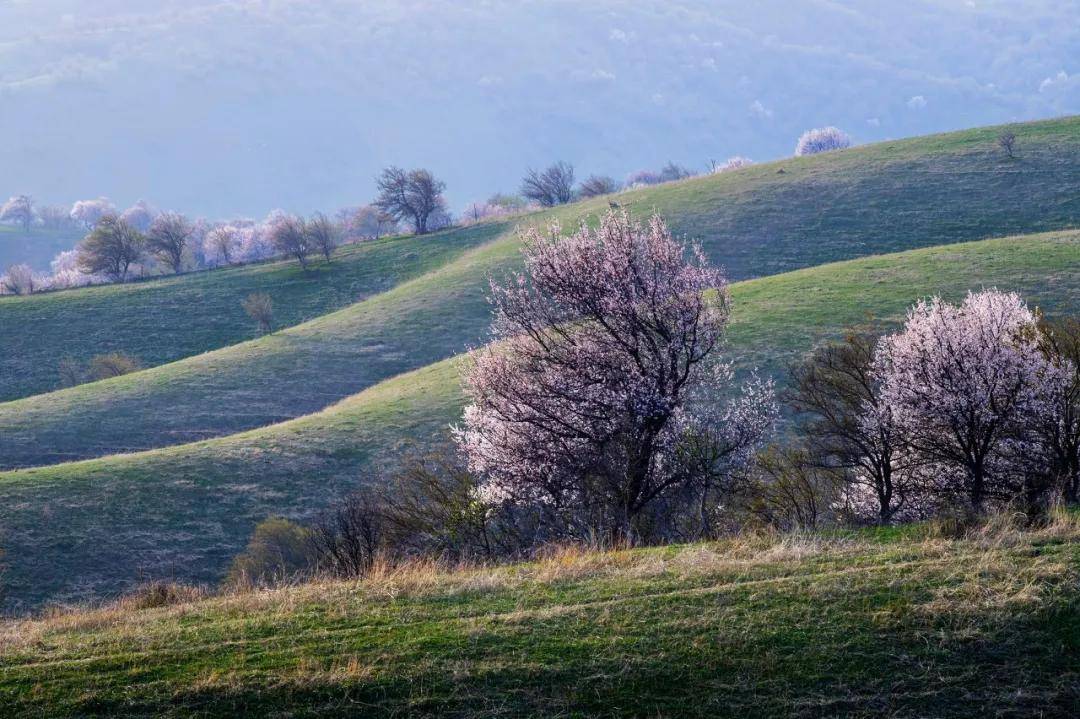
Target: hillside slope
757	221
888	623
92	527
165	319
36	248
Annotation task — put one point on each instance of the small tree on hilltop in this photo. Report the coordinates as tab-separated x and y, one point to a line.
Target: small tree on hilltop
966	384
260	308
553	186
168	238
596	185
413	196
289	237
322	235
19	209
110	249
822	139
1007	141
584	405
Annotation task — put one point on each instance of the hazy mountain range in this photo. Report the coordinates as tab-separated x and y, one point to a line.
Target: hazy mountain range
225	107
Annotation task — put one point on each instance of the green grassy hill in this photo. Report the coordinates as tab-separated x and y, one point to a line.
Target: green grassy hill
758	221
898	624
36	248
165	319
92	527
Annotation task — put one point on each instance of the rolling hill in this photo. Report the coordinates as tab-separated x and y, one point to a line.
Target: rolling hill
93	527
876	623
763	220
36	247
168	318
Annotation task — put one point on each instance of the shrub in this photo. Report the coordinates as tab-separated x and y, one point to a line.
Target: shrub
733	163
596	185
790	491
112	364
260	308
71	372
160	593
822	139
278	550
19	280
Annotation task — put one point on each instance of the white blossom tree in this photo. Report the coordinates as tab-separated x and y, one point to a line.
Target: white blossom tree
584	403
20	280
733	163
822	139
18	209
966	383
89	212
140	215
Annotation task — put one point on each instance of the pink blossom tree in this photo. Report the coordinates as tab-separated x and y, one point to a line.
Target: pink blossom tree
584	404
822	139
966	384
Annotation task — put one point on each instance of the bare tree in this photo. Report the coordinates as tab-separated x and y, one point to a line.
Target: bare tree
1007	141
55	217
553	186
322	235
847	427
289	237
168	237
413	196
111	248
671	172
596	185
70	371
1059	429
791	490
260	308
348	539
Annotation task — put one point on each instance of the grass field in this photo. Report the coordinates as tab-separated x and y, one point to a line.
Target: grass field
93	527
36	247
165	319
756	222
868	624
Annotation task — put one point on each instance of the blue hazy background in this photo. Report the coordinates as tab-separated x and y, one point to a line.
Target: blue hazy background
234	107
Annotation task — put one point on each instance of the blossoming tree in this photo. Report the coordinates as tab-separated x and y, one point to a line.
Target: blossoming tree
584	405
966	384
822	139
